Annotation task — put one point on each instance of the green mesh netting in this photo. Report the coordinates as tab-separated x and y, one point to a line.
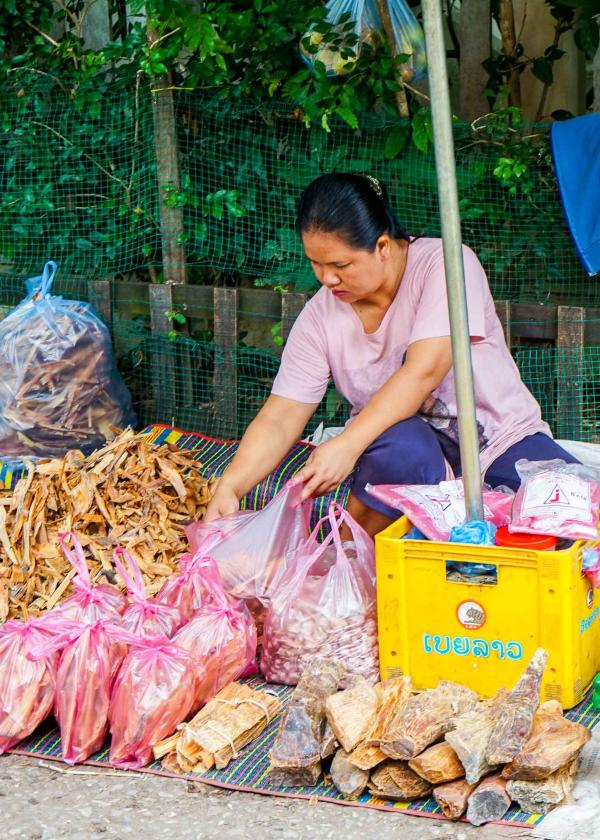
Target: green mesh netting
81	187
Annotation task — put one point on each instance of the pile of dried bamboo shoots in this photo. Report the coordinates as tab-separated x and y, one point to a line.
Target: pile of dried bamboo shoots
473	756
129	493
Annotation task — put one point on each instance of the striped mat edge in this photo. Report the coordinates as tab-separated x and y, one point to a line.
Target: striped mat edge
249	771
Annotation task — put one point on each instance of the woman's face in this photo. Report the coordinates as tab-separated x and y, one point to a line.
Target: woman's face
350	274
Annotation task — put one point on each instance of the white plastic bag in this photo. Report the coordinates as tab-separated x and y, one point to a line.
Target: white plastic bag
324	605
556	498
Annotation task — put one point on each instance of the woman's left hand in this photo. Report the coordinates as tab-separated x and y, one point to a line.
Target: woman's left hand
329	464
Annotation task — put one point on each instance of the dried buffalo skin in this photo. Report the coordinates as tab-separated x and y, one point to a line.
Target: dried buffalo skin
554	742
438	764
452	797
395	780
489	801
515	720
348	779
295	758
540	797
471	735
424	718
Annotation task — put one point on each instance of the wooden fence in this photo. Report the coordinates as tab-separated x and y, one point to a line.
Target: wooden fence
568	329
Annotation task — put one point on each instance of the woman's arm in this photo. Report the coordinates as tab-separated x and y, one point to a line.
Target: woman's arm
427	363
268	438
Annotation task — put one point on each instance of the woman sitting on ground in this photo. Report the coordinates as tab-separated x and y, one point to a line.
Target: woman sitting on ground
379	327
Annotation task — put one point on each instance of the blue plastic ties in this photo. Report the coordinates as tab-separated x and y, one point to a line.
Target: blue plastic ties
474	533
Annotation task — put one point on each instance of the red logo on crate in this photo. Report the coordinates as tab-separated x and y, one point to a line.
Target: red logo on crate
470	614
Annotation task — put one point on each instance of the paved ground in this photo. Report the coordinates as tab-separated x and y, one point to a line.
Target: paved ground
47	801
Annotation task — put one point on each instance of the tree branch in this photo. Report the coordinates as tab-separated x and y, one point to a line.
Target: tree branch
386	21
540	110
43	34
506	21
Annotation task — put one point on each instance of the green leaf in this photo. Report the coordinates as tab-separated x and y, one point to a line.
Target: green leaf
542	70
396	141
84	244
349	117
422	129
587	37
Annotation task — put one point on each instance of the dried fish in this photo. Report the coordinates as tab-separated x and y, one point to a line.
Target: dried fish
515	720
128	493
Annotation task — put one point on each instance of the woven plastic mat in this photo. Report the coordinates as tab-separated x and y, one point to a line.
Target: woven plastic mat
249	772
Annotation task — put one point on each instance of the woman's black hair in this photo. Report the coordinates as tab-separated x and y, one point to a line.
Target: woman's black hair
354	207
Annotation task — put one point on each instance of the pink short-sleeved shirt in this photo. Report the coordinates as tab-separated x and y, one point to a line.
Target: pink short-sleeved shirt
328	340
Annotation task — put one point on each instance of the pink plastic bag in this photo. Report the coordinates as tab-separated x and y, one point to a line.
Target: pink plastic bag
222	641
557	499
144	616
256	544
325	606
27	687
91	603
437	508
88	663
187	590
153	693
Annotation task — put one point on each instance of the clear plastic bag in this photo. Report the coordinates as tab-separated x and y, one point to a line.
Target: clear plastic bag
339	53
255	545
437	508
557	499
60	388
221	638
144	616
87	667
324	605
153	693
90	602
27	687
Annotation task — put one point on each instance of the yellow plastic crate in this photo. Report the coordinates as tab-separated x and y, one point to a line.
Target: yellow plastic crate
482	636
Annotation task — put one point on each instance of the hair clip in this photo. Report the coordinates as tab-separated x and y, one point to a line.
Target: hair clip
375	184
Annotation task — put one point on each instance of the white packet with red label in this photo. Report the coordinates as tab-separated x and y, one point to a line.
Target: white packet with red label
437	508
557	499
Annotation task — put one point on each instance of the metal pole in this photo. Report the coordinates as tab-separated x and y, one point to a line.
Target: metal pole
453	260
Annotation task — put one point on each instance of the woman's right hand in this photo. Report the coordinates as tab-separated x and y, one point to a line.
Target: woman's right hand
224	502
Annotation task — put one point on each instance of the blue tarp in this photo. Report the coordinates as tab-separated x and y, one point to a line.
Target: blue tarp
576	152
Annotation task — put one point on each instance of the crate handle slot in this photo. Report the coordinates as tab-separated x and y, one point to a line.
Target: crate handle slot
466	571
